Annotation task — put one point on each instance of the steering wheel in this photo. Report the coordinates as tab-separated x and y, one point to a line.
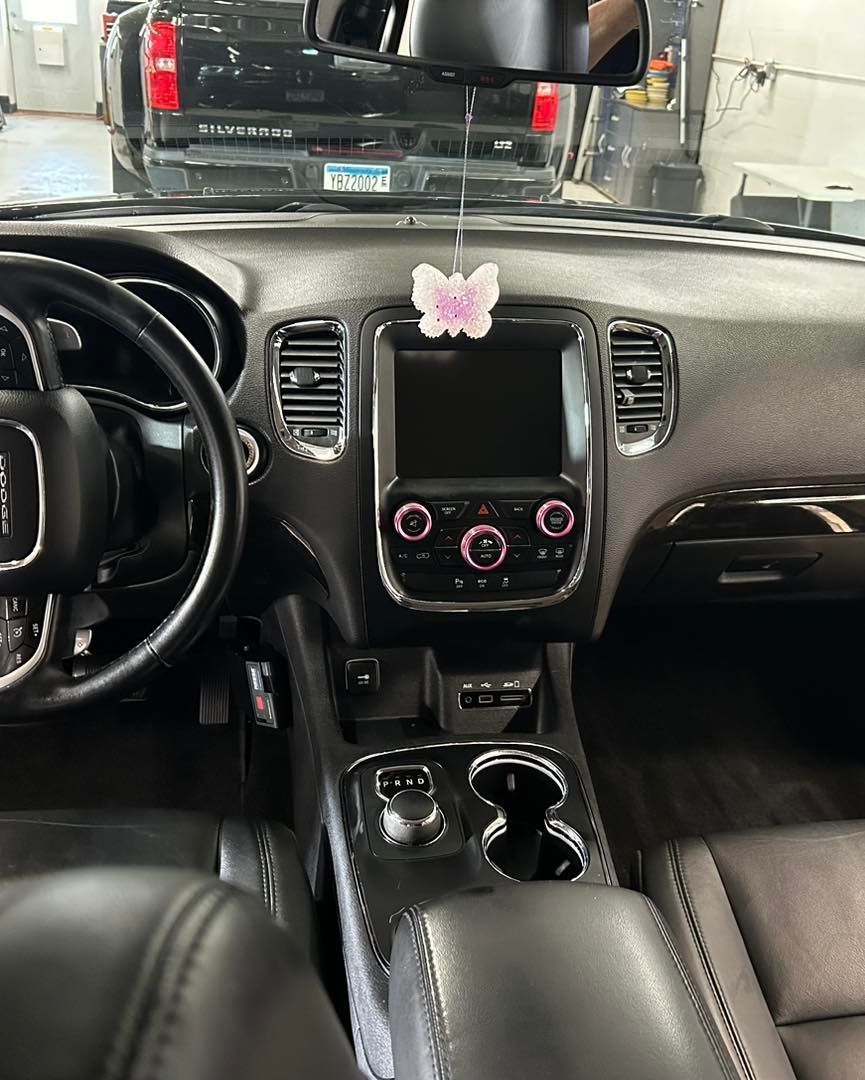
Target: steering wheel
58	487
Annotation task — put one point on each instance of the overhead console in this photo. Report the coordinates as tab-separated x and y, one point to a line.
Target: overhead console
482	465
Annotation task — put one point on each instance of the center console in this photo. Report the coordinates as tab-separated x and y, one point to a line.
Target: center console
431	820
482	465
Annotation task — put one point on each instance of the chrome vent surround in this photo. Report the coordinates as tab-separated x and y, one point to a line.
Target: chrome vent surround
308	397
642	363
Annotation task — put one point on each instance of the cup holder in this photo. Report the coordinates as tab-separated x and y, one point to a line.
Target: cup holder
527	841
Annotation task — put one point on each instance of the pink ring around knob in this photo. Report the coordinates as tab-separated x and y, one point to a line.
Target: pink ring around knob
554	504
402	514
473	534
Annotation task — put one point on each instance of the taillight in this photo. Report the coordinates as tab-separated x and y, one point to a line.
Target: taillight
546	110
108	20
160	66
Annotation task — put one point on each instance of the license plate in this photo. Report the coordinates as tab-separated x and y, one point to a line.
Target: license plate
360	178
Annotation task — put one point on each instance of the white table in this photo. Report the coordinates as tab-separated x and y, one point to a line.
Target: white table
809	184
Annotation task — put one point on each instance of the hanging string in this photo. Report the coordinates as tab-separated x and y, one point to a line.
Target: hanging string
458	245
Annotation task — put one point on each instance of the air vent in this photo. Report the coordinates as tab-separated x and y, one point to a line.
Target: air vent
643	374
308	388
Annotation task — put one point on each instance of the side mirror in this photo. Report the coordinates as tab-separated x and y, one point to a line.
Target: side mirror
490	42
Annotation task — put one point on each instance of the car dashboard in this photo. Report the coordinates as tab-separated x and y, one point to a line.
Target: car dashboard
655	416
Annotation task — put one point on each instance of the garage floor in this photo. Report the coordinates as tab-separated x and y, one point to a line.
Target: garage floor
46	156
53	157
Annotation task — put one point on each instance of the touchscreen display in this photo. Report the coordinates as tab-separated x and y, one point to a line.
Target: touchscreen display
488	412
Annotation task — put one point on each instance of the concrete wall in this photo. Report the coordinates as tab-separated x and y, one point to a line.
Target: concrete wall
800	118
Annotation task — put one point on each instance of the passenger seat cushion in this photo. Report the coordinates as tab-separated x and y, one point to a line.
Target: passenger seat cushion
772	925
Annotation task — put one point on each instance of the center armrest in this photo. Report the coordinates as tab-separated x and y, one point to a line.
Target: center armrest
547	980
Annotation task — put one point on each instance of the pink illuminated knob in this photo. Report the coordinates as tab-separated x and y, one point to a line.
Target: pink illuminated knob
484	547
554	518
413	522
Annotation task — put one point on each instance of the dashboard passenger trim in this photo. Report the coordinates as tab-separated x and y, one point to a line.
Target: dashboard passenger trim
668	362
392	586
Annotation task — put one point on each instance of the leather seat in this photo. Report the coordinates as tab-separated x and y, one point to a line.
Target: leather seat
259	857
772	925
156	974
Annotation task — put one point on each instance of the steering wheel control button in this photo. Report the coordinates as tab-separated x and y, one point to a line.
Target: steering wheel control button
484	547
554	518
449	511
16	633
412	818
14	607
413	522
362	676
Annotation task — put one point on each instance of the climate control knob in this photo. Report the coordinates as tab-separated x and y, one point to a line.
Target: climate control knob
413	522
554	518
484	547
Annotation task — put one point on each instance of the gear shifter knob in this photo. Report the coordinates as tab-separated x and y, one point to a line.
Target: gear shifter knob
412	818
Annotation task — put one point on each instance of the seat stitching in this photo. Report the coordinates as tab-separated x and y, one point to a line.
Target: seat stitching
705	1023
427	1008
216	899
693	923
272	865
438	1004
265	891
131	1024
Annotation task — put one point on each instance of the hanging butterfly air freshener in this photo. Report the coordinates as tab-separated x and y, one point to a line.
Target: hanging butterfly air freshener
457	304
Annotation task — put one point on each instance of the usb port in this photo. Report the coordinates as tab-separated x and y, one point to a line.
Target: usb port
485	699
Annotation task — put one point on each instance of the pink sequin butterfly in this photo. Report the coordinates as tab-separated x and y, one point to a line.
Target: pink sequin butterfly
455	304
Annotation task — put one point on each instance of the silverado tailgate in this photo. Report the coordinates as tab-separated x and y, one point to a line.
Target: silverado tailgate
250	81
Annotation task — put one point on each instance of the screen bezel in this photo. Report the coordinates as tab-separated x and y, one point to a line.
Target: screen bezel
576	476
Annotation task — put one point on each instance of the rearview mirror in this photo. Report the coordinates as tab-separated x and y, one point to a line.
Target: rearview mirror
490	42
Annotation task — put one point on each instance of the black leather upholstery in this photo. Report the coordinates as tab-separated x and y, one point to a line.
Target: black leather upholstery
156	975
259	857
545	980
772	925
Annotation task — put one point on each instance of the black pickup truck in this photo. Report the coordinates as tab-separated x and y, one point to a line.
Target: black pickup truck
226	95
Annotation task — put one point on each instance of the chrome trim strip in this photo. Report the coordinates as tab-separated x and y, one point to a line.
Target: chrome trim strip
297	446
250	444
393	587
765	496
552	822
39	543
41	649
346	835
668	363
205	310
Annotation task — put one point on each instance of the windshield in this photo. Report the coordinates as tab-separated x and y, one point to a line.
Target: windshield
745	112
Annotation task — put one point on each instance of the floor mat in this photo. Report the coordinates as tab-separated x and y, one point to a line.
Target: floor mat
708	720
152	753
